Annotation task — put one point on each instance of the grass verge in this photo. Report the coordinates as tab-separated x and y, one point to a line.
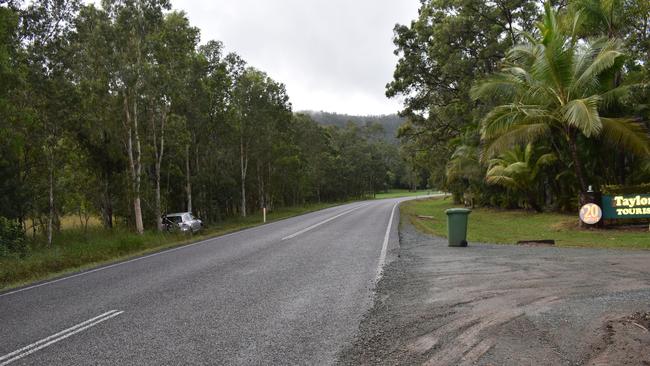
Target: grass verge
509	226
396	193
73	250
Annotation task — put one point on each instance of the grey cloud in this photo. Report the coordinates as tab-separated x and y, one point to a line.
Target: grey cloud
332	55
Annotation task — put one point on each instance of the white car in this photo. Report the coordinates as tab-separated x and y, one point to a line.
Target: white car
183	221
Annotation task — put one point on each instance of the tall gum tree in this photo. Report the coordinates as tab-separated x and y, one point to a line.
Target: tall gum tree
47	25
135	22
98	129
173	45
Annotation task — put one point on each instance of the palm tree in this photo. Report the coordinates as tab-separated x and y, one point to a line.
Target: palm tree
555	85
518	169
464	169
464	164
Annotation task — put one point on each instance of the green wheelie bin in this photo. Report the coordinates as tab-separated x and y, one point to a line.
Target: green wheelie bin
457	226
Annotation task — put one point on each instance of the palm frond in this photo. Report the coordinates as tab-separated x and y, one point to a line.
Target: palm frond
497	176
502	85
524	54
583	114
613	96
626	133
519	134
603	61
547	159
518	168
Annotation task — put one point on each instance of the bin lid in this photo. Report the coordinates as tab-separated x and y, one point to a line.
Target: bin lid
458	211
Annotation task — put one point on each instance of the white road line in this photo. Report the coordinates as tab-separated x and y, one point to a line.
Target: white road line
56	335
322	222
384	247
45	342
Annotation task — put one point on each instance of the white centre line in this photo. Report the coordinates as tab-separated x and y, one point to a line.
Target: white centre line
322	222
384	247
29	349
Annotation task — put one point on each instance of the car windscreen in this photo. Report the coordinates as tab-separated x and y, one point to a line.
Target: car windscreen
175	219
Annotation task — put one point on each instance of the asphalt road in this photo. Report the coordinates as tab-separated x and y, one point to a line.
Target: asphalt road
289	292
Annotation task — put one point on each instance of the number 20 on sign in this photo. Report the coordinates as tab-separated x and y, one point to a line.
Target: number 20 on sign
590	213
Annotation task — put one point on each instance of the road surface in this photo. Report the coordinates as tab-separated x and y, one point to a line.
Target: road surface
289	292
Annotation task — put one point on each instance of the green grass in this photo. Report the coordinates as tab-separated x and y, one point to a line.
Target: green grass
509	226
396	193
73	250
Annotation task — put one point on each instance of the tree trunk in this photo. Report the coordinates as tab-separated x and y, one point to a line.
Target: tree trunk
267	200
573	145
188	181
134	160
137	210
159	223
159	152
107	206
531	197
50	219
243	164
260	186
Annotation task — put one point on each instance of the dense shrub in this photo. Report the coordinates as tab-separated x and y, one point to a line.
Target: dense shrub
12	238
620	189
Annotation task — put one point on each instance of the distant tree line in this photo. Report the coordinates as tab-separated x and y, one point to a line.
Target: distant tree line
389	122
513	104
117	111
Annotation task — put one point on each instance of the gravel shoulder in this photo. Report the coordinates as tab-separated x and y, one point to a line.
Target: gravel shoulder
506	305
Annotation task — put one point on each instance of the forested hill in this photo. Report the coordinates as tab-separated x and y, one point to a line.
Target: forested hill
390	122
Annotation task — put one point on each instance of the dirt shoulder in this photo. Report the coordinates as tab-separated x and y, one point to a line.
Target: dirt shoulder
506	305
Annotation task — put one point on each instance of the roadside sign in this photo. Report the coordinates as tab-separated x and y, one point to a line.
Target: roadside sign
590	213
630	206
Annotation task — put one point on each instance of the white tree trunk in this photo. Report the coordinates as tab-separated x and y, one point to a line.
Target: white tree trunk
243	163
159	151
188	182
131	125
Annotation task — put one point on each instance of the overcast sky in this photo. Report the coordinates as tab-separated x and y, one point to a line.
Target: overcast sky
332	55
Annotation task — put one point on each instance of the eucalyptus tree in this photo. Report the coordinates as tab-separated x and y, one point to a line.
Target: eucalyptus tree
47	26
257	100
134	23
97	130
12	141
554	86
166	78
208	105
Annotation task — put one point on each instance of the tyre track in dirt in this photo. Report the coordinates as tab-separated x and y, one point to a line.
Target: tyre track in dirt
505	305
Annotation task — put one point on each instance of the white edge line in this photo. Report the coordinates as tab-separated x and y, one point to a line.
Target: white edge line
164	251
28	350
56	335
322	222
384	247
